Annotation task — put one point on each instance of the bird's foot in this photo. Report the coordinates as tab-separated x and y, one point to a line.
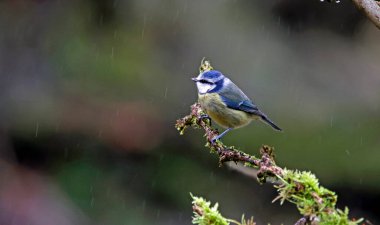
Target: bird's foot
205	116
214	139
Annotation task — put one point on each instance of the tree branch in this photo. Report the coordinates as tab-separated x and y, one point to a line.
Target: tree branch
371	9
266	164
314	202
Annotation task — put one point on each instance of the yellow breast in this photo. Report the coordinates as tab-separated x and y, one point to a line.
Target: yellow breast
213	105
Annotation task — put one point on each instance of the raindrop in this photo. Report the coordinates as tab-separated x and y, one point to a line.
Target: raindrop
92	202
331	121
175	18
166	92
143	205
115	3
348	152
185	7
212	177
143	30
37	129
57	126
66	153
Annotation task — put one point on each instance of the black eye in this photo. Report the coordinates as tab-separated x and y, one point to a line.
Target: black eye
205	82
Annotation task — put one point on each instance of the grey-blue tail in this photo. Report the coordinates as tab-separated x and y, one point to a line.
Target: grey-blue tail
270	122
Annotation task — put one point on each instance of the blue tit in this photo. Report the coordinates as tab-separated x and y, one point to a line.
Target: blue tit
225	103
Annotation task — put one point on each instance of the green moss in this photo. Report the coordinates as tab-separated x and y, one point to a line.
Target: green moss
302	188
207	214
338	217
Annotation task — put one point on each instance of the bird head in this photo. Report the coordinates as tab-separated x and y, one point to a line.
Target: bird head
209	81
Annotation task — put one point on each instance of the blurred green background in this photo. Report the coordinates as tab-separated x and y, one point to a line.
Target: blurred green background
90	91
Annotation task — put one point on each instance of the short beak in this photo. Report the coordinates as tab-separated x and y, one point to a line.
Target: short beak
194	79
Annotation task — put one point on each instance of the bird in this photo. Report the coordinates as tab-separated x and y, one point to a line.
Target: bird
226	104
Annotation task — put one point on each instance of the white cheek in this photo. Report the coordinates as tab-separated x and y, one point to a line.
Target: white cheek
203	88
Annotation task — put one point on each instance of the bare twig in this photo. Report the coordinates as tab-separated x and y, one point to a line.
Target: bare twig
371	9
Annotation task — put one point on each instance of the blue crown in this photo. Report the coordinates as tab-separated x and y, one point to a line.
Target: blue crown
212	75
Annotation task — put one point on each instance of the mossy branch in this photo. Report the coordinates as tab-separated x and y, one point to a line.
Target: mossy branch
316	204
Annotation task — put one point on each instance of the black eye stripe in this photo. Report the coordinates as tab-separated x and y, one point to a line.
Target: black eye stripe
205	82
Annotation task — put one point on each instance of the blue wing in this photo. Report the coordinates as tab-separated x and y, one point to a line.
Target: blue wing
234	98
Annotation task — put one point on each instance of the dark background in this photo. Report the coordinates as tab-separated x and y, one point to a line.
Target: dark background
90	91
